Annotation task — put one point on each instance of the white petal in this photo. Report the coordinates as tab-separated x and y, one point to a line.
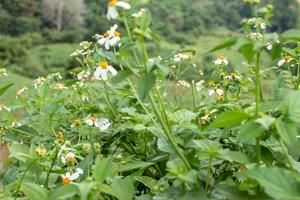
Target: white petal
103	74
220	92
211	92
225	62
112	13
79	170
114	41
97	73
63	160
103	124
281	62
102	41
112	70
74	176
107	44
218	62
124	5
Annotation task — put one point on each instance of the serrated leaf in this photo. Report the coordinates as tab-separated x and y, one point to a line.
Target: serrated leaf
249	131
19	151
64	192
122	75
293	34
290	106
228	119
277	183
123	189
144	85
287	131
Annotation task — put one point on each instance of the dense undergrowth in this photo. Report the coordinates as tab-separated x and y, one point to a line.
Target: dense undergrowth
125	126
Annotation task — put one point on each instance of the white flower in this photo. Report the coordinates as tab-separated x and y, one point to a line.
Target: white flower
85	98
139	13
77	52
38	82
222	60
103	124
200	85
233	76
4	108
269	46
110	38
102	70
255	36
285	59
60	86
207	116
68	158
184	83
215	90
68	177
3	72
85	44
112	12
91	121
83	75
18	94
180	56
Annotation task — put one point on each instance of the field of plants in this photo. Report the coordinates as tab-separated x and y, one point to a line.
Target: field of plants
132	120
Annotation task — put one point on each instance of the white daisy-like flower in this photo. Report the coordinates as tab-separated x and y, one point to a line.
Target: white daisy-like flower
207	116
200	85
222	60
139	13
233	76
103	124
215	90
112	5
102	71
285	59
180	56
69	158
110	38
3	72
18	94
77	52
184	83
83	75
68	177
255	36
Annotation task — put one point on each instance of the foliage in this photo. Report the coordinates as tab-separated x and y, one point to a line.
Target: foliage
119	126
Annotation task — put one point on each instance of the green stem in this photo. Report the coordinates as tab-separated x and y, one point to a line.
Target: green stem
208	173
257	101
287	156
107	100
168	133
194	94
298	74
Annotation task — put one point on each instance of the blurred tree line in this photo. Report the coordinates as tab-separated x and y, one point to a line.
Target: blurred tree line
25	24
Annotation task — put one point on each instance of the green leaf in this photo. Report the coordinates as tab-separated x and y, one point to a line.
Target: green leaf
123	189
145	20
19	151
224	45
232	193
120	77
287	131
249	131
3	89
277	183
34	191
84	189
133	166
248	52
144	85
147	181
64	192
102	168
292	34
234	156
228	119
290	106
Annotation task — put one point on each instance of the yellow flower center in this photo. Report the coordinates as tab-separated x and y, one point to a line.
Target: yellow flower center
117	34
287	58
222	57
66	180
215	88
103	64
112	3
60	134
41	152
77	122
233	74
70	159
106	34
94	119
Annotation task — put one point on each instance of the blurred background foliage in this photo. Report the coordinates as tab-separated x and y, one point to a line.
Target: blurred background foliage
37	36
